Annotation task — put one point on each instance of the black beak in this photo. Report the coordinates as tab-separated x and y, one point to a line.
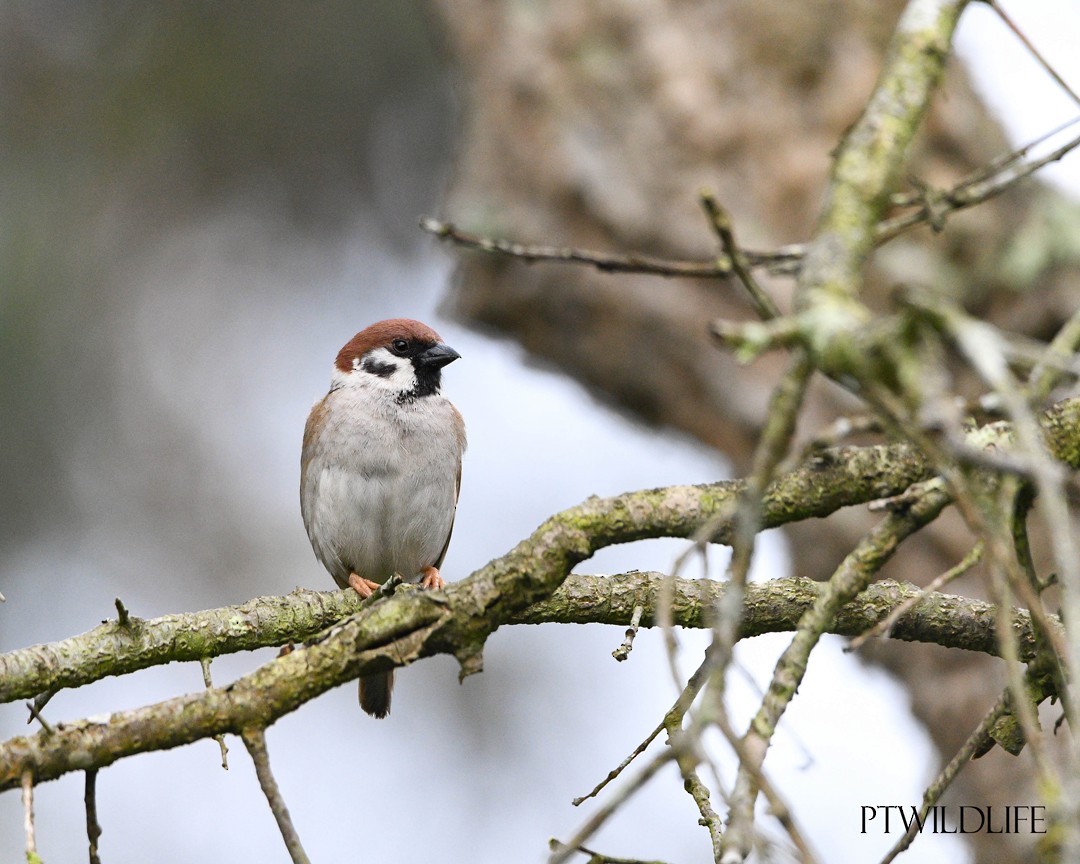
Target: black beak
437	356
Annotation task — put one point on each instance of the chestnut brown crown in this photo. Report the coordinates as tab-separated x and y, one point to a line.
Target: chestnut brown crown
382	334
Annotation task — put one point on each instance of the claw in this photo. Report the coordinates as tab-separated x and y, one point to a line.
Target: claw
364	587
431	580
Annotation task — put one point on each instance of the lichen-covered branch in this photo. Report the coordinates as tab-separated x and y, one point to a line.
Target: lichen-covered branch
949	620
871	158
831	479
412	624
835	478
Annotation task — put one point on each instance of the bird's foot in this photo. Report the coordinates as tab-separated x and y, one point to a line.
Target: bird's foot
364	587
431	580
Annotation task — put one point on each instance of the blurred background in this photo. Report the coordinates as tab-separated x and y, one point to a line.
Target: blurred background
202	204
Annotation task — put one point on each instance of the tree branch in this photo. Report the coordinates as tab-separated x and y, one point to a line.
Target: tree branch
255	740
836	478
868	164
414	624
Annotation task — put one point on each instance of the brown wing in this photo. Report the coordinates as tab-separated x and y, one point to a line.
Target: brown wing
459	425
307	452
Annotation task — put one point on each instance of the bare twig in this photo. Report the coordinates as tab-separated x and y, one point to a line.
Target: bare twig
606	262
674	715
594	823
984	172
933	207
39	702
32	856
1047	372
93	829
35	714
208	682
949	773
689	753
772	445
597	857
255	741
1051	71
721	222
777	806
623	651
968	193
123	617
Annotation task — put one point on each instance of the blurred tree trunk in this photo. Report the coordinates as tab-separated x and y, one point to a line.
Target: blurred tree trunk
596	125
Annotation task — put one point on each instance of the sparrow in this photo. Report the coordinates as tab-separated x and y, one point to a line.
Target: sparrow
380	468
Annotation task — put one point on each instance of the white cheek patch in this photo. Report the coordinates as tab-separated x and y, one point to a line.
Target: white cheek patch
379	369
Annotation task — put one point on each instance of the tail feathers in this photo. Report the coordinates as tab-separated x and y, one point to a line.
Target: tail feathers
375	693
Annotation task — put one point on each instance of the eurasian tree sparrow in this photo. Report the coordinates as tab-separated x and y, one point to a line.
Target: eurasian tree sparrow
381	467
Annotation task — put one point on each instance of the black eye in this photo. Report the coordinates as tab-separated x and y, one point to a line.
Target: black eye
399	346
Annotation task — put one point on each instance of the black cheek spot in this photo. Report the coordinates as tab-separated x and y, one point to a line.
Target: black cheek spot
383	370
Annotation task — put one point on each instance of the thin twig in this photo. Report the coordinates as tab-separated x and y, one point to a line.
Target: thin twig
35	713
690	752
686	745
721	222
1047	371
949	773
255	741
984	172
774	442
93	829
851	577
991	180
674	714
968	193
593	824
1033	50
777	805
598	857
208	682
32	856
40	701
623	651
606	262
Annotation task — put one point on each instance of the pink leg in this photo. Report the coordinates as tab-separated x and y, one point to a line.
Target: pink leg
431	580
364	587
